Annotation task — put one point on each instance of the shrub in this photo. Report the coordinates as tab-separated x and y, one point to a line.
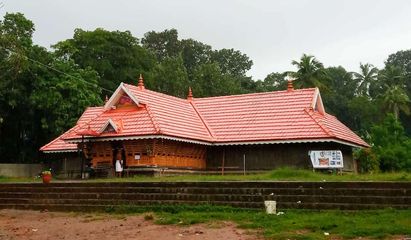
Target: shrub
367	160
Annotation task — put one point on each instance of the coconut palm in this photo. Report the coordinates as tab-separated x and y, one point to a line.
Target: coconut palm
395	100
392	75
366	77
310	72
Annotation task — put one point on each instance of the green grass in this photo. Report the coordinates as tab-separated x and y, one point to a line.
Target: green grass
281	174
18	180
293	224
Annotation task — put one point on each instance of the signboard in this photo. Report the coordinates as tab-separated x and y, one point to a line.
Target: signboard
326	159
137	156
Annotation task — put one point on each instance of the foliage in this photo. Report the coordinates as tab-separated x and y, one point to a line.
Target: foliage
170	76
116	56
367	161
366	77
46	172
394	100
43	92
272	82
391	145
310	72
208	80
210	72
40	95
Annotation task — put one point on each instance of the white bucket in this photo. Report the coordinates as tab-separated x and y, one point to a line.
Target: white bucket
270	207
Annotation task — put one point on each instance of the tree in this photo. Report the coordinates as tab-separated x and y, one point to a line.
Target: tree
391	145
15	110
402	60
310	72
341	86
208	80
60	99
395	100
163	44
116	56
273	82
170	77
40	95
231	61
366	77
194	54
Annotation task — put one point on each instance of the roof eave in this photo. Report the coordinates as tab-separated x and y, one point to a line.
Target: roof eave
59	151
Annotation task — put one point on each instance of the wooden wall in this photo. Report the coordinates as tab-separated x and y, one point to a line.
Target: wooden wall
100	153
151	152
179	154
271	156
142	148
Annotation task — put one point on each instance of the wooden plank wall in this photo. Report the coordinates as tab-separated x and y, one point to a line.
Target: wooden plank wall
179	154
143	148
101	153
153	152
271	156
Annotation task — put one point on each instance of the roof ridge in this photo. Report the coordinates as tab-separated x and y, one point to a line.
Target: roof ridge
202	119
152	118
256	93
159	93
324	128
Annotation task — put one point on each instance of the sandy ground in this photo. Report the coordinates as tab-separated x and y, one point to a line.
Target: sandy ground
35	225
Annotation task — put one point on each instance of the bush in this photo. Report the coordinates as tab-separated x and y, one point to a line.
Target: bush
391	145
367	161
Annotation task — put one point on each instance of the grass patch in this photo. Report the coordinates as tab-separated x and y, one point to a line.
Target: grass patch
281	174
294	224
4	179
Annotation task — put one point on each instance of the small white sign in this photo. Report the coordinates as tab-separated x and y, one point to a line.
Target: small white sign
137	156
326	159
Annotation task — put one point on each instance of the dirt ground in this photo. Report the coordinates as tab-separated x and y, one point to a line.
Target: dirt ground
35	225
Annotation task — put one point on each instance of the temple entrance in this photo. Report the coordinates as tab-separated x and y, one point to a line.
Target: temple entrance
118	147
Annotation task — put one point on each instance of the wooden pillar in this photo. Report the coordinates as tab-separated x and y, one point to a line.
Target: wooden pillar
223	162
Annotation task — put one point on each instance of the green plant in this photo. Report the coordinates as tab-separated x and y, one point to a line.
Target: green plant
367	161
148	217
46	172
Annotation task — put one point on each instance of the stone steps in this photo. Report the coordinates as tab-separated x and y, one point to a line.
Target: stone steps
202	190
300	195
206	197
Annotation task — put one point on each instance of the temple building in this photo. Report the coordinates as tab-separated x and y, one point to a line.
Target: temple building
247	132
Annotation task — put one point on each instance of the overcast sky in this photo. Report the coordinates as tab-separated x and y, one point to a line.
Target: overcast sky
271	33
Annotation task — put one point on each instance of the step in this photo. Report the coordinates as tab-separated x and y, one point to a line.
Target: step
226	184
233	191
211	197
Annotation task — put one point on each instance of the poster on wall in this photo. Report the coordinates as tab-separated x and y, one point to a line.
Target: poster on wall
326	159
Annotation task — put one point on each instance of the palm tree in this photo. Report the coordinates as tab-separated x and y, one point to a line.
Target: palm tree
392	75
310	72
395	100
367	76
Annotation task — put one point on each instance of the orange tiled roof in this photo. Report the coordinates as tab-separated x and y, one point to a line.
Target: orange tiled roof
280	116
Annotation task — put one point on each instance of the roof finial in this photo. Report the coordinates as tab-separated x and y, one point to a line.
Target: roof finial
190	94
290	86
106	100
141	82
